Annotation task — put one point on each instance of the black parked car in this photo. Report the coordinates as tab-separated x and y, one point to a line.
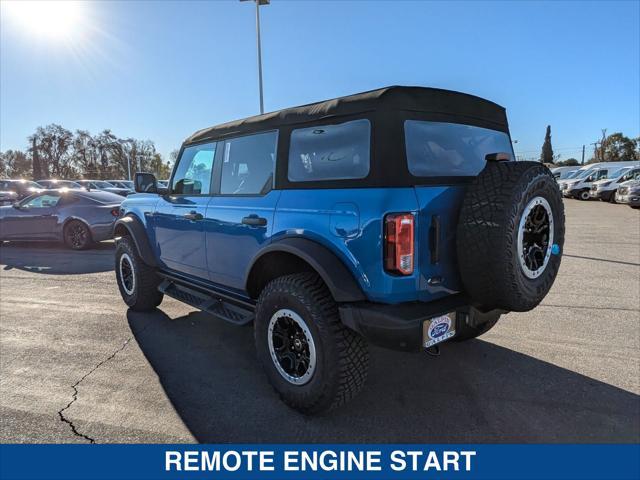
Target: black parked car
14	190
54	183
76	217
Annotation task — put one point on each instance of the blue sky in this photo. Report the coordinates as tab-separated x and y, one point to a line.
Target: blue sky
161	70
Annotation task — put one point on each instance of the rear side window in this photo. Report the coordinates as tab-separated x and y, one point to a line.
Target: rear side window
193	175
330	152
248	164
437	149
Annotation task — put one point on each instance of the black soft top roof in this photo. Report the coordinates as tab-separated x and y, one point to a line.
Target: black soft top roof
443	105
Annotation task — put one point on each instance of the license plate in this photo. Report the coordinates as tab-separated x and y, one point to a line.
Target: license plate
438	329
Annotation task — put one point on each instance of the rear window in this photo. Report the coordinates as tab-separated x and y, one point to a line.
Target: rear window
330	152
437	149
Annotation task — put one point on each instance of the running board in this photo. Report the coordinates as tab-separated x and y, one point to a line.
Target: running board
207	302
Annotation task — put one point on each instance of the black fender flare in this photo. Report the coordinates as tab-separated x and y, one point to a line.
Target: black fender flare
340	281
138	233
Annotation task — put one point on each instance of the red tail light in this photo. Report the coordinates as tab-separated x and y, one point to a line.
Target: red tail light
115	212
398	243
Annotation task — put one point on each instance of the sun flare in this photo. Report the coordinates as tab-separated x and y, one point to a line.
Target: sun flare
47	18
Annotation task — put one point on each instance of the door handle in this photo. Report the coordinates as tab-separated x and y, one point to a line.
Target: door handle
193	215
254	221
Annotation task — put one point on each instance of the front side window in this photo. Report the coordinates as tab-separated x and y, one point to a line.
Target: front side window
330	152
193	175
248	164
42	201
629	175
438	149
598	175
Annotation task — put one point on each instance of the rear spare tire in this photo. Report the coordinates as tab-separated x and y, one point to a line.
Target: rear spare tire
510	236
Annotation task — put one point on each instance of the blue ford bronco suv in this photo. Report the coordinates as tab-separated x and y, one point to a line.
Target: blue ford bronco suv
395	217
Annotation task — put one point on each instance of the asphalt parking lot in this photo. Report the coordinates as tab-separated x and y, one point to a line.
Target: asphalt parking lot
77	367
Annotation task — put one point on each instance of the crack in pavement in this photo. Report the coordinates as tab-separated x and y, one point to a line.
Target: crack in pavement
63	418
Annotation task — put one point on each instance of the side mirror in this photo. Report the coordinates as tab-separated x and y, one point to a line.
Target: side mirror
146	183
16	205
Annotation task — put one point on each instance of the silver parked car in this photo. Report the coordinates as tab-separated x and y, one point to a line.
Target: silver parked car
105	186
128	184
76	217
629	193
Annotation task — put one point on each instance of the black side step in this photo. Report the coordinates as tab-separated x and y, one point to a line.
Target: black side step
207	302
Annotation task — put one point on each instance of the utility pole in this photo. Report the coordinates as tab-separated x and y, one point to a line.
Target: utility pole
258	4
595	150
582	154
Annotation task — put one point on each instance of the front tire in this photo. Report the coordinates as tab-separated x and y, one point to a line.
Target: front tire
313	361
584	195
137	282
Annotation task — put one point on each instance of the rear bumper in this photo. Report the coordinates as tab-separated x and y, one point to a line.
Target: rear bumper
400	327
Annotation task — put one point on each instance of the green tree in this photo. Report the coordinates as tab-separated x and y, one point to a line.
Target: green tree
15	164
160	168
617	148
546	156
569	162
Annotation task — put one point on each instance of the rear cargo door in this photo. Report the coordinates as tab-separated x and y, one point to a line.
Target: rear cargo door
444	158
439	207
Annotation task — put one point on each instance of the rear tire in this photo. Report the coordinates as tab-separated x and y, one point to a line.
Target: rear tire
77	235
584	195
137	282
312	360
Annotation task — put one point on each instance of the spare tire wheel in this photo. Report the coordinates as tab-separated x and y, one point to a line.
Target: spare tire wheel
510	235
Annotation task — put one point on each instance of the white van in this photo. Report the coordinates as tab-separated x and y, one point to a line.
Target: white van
560	173
579	185
605	189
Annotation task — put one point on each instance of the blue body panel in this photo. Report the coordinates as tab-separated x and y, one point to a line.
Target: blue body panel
180	241
231	245
350	223
220	249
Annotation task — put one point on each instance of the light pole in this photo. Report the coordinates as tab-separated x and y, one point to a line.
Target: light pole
258	3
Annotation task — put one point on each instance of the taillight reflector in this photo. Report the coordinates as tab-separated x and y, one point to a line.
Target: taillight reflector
398	243
115	212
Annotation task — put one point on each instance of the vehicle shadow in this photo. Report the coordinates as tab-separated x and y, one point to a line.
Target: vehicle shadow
55	258
474	392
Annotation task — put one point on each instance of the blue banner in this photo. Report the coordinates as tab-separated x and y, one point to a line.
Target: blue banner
325	462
